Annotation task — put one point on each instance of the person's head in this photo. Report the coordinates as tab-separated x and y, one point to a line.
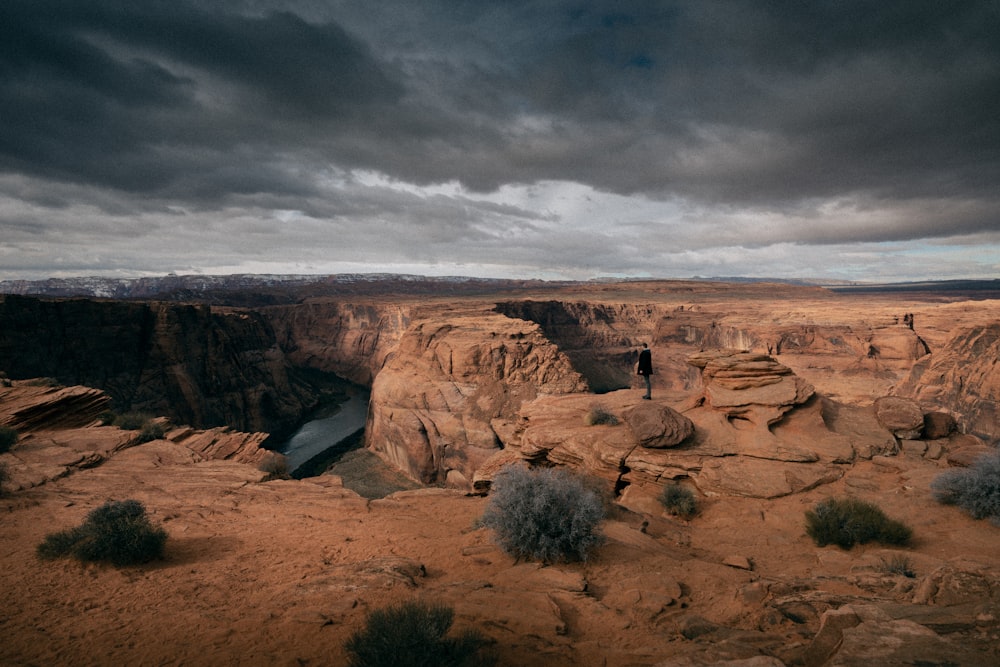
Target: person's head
644	346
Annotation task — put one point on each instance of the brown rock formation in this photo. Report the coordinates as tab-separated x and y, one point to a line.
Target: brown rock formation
963	378
432	403
901	416
657	426
750	387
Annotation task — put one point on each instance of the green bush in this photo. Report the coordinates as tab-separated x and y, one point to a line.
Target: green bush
117	532
546	514
975	489
599	415
849	521
8	438
412	634
679	500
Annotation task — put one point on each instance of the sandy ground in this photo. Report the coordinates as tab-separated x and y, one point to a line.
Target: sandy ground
282	572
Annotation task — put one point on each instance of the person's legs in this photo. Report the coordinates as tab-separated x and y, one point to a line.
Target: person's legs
649	386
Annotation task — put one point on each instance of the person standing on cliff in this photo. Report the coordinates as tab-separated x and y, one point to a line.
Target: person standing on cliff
645	368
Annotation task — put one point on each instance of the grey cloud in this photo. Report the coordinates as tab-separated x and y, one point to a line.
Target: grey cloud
760	123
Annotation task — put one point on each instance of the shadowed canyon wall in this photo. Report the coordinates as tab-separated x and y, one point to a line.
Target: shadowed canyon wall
193	364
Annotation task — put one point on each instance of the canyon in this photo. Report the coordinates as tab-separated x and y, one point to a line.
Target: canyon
766	398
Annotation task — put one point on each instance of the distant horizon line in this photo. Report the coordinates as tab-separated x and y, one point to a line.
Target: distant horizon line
283	277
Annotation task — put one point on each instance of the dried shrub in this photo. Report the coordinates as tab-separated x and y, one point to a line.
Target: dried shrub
975	489
275	465
148	426
117	532
598	414
548	514
897	564
413	634
132	421
679	500
849	521
151	430
8	438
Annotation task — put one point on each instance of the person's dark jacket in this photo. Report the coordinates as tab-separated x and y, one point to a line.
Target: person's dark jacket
645	363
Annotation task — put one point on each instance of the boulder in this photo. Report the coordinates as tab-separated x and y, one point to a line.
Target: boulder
938	425
657	426
900	416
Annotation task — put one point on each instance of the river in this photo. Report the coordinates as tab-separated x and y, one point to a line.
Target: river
330	432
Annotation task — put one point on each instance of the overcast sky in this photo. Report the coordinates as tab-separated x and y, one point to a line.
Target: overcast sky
549	139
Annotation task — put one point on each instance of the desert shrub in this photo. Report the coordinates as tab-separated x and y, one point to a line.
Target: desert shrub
598	414
117	532
849	521
151	430
679	500
975	489
132	421
275	465
897	564
546	514
8	438
412	634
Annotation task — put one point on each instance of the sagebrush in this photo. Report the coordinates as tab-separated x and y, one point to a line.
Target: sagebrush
975	489
849	521
547	514
598	414
117	532
414	634
897	564
679	500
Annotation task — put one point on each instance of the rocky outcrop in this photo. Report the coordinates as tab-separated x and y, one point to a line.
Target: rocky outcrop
36	406
750	387
755	430
433	402
60	433
962	378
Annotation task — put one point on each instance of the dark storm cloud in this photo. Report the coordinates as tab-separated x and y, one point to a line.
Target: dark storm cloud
138	95
753	123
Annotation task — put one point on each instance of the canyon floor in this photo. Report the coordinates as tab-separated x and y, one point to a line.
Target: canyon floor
262	571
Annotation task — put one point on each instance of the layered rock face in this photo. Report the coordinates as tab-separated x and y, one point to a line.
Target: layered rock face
433	402
194	364
351	340
962	377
